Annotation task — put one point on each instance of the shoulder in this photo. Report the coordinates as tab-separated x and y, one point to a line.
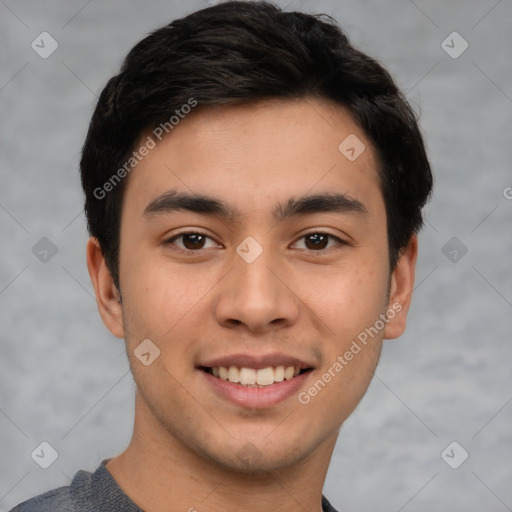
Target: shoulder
69	498
326	506
88	492
57	500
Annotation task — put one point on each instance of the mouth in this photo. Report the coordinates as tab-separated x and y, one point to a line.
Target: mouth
255	377
255	381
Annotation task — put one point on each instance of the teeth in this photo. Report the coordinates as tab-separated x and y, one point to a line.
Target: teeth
279	374
265	376
253	377
288	372
247	376
233	374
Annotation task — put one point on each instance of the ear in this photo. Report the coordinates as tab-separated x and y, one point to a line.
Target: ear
401	288
107	295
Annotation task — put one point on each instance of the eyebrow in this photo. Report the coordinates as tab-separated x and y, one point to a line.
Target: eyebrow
173	201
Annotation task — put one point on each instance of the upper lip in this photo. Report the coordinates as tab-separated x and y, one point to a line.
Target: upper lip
257	361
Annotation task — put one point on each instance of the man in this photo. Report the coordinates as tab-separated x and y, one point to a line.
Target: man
254	188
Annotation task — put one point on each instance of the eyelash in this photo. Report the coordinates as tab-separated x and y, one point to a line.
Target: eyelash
170	241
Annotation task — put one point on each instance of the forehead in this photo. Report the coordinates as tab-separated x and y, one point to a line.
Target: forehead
253	153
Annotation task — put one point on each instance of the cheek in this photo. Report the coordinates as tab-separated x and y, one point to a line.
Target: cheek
338	388
170	308
351	307
157	295
348	298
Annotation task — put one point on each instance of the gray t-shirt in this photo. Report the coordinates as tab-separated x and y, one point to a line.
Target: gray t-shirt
92	492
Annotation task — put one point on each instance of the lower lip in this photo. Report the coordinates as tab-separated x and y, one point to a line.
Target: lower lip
256	398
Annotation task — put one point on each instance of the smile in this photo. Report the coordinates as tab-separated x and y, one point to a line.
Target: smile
253	377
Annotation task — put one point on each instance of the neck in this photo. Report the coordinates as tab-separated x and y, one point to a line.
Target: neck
161	474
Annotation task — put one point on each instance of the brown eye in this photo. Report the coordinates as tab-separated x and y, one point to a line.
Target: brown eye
193	241
319	241
190	242
316	241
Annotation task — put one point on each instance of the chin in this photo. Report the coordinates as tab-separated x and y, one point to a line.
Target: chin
249	460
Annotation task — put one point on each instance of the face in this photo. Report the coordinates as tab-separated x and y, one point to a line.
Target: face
253	249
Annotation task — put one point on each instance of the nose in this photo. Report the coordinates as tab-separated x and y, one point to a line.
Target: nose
256	296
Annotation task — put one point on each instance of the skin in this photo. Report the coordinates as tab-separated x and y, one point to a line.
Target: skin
295	298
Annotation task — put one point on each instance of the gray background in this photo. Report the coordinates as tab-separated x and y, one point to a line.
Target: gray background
64	379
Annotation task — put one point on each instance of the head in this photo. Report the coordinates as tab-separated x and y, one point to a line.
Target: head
248	128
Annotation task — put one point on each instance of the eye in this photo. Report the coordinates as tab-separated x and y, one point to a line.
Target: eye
319	241
194	242
191	241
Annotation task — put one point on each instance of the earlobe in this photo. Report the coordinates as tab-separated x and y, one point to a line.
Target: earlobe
107	295
401	288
